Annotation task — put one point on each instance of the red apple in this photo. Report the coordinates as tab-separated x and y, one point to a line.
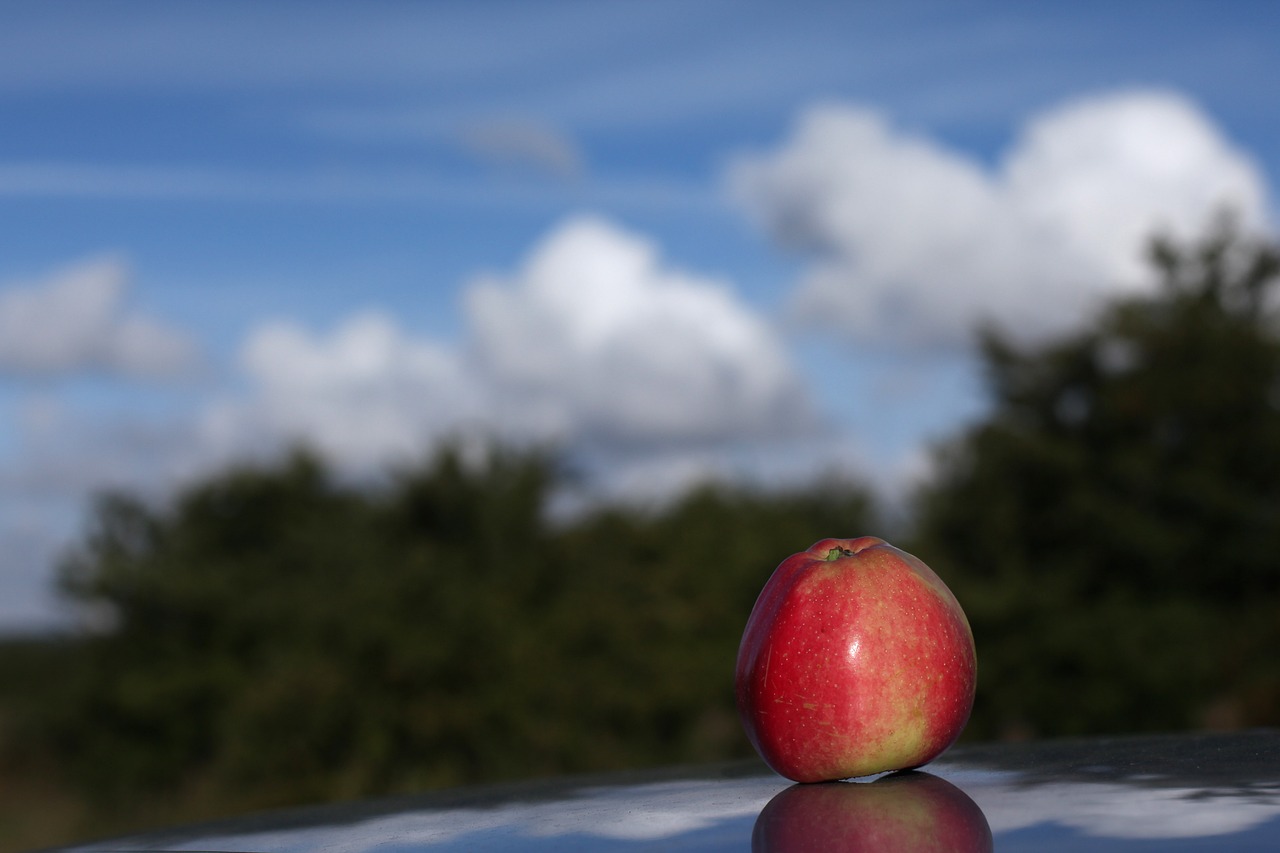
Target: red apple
856	659
902	811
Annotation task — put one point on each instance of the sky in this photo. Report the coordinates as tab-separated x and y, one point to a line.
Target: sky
677	240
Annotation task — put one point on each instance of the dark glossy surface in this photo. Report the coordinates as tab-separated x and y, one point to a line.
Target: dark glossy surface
1205	792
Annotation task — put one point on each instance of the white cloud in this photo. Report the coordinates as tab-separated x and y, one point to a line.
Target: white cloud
594	337
914	242
1109	810
1102	174
364	394
649	813
591	342
76	321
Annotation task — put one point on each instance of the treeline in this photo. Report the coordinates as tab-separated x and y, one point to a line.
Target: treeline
1113	525
281	635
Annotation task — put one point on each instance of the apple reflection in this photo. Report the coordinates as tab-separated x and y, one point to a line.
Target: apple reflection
901	811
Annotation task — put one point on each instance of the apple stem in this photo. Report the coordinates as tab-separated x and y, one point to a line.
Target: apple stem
837	553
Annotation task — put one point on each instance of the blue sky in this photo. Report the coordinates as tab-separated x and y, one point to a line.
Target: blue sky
682	239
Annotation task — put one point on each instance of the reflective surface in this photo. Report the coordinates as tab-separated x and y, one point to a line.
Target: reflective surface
1206	792
902	811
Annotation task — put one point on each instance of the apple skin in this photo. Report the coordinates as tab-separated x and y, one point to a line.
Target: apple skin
856	660
903	811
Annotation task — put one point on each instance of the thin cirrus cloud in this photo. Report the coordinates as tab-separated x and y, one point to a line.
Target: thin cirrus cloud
913	242
555	156
524	144
506	138
594	340
77	321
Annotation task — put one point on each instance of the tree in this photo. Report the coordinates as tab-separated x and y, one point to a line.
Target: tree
283	636
1112	524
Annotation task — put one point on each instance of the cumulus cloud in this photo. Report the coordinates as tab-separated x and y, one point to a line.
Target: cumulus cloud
365	393
915	242
592	341
595	337
77	321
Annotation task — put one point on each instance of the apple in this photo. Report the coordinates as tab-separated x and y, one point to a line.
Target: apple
902	811
856	660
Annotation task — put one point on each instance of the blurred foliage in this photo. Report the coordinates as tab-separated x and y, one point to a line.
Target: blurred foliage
282	635
1113	526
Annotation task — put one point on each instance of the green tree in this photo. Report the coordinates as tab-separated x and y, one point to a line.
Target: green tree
1112	525
282	635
